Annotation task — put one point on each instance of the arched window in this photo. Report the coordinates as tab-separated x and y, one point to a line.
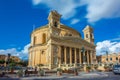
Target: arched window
86	35
70	34
55	24
34	40
91	35
106	59
44	38
111	59
43	52
116	58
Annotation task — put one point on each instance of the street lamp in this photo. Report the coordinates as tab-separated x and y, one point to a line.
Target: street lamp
84	58
107	57
7	60
117	59
83	50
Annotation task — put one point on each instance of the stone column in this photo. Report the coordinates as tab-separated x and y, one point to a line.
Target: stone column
39	57
80	56
75	50
94	53
91	57
70	55
51	56
65	55
34	58
88	56
29	59
59	56
75	55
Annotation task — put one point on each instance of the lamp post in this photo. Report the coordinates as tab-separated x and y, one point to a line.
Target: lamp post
117	60
107	52
84	58
8	60
6	63
107	57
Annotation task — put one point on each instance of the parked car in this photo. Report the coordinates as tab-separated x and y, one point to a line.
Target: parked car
116	69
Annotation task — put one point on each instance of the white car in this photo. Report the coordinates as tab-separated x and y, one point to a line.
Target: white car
116	69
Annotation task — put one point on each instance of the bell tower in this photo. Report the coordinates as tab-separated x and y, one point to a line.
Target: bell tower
54	19
53	31
88	34
54	23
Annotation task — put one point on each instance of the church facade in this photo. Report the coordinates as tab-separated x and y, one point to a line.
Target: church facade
57	45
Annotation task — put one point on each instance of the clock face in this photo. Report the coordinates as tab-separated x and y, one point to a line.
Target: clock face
55	33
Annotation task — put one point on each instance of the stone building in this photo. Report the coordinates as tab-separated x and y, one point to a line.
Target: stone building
57	45
113	58
4	58
15	58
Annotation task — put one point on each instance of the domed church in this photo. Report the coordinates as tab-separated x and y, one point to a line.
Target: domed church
57	45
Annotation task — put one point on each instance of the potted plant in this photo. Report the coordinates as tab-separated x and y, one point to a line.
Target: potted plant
95	67
1	73
41	72
20	73
59	71
106	67
75	71
88	68
81	68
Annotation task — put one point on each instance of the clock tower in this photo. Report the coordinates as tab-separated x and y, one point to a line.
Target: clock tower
88	34
54	23
54	19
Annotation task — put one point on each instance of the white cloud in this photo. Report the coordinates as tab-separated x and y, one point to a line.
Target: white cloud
36	2
64	7
116	39
74	21
102	9
96	9
25	50
23	54
111	47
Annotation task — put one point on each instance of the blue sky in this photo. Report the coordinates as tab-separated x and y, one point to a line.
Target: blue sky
17	18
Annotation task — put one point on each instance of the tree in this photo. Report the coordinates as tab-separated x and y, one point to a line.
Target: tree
2	61
23	63
12	66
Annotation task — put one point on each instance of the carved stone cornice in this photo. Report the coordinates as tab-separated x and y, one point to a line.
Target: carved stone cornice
71	41
36	45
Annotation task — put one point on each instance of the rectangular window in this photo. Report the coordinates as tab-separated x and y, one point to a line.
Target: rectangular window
34	40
